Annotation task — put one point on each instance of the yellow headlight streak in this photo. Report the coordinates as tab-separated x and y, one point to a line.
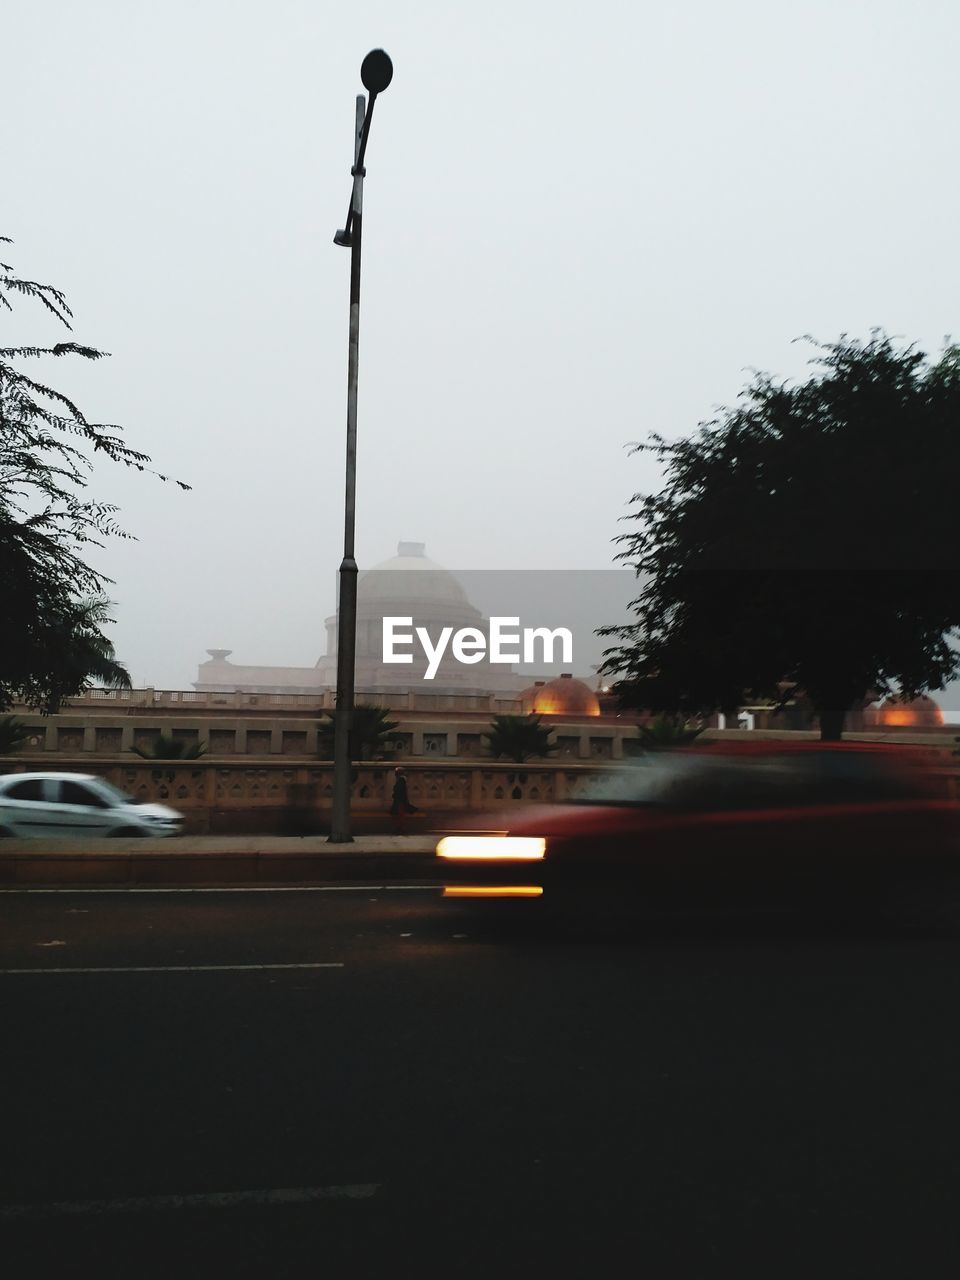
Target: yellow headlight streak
493	891
492	849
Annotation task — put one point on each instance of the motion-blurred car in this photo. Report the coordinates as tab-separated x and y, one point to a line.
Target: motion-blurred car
77	804
705	820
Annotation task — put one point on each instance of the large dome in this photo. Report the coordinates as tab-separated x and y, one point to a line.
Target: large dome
431	583
918	713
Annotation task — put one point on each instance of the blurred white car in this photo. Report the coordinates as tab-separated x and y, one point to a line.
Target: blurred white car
77	804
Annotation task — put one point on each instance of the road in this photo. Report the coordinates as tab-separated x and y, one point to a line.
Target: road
375	1081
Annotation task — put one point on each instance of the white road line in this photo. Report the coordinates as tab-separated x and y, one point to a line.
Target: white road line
207	1200
180	968
284	888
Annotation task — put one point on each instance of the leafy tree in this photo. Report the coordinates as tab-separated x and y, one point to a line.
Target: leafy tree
169	747
370	733
53	600
519	738
667	732
804	542
13	734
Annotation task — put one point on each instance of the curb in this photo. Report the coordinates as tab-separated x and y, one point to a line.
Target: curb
290	860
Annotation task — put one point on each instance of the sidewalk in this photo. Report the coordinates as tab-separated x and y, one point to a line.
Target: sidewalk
212	860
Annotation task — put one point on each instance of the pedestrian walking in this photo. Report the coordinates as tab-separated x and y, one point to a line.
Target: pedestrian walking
401	800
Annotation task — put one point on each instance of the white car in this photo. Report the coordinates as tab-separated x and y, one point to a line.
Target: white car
77	804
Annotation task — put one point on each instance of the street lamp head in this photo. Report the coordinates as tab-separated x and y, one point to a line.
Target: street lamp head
376	71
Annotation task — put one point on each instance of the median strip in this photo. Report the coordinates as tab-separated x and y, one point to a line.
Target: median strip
205	1200
178	968
249	888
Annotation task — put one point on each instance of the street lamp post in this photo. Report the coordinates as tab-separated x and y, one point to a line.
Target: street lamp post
376	72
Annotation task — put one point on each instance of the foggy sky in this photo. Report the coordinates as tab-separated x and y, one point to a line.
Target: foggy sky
582	223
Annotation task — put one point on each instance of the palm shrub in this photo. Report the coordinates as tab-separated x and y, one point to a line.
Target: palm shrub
370	733
167	747
667	732
13	734
519	738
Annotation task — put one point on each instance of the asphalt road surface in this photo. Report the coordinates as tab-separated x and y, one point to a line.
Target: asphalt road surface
377	1081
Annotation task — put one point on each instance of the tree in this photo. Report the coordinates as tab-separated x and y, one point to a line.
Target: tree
53	600
804	542
370	732
519	738
168	747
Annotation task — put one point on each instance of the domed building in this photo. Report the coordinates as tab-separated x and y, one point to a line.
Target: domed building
269	712
563	696
411	585
407	585
914	713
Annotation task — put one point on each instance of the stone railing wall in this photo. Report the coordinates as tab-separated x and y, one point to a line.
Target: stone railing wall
290	794
200	789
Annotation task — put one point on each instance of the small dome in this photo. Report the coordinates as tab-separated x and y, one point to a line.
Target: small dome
916	713
563	696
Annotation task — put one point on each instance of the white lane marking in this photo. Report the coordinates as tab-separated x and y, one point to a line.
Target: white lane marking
279	888
180	968
207	1200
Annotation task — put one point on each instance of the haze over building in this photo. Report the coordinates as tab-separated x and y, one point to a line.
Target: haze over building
407	585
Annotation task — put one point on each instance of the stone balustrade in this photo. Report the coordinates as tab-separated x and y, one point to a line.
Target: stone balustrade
202	788
262	793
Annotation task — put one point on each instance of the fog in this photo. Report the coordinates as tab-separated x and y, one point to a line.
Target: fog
582	223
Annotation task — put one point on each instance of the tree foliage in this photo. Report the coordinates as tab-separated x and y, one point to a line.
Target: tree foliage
54	601
370	732
519	738
803	541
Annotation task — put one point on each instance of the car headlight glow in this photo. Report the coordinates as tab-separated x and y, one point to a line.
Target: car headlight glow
493	891
492	848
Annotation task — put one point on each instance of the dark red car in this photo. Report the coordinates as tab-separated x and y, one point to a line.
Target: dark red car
757	816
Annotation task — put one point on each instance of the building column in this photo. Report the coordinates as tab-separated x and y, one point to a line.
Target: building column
584	744
89	738
416	746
